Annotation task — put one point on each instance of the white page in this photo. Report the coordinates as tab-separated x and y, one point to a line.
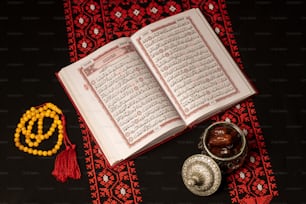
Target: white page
119	99
192	65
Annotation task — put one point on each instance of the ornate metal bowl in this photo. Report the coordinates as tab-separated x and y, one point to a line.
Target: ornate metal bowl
226	143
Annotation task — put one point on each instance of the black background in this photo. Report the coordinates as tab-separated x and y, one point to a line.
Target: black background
33	46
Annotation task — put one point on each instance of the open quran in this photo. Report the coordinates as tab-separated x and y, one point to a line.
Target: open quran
139	91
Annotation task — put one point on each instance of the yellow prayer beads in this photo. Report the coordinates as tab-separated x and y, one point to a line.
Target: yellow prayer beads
36	115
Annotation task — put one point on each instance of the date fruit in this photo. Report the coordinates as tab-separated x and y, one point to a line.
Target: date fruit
223	141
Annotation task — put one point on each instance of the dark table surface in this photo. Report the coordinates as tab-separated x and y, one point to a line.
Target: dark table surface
33	46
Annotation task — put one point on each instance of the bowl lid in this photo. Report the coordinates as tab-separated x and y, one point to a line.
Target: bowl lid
201	175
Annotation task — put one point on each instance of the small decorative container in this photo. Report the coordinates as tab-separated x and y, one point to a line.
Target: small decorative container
226	144
201	175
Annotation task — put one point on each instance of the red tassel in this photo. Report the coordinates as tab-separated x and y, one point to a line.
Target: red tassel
60	166
73	167
66	165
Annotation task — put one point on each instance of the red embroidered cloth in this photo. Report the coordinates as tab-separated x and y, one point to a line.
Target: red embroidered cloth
93	23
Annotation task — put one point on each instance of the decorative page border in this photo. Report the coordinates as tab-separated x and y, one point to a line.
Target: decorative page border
187	114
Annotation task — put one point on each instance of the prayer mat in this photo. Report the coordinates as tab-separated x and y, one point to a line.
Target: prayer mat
93	23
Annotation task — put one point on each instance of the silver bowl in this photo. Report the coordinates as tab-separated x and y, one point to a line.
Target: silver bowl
230	156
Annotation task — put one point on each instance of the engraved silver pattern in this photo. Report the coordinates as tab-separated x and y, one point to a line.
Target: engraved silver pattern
201	175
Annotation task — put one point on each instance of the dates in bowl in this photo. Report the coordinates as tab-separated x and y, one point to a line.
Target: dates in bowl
226	144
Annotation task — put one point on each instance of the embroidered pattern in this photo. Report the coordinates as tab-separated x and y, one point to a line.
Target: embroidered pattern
93	23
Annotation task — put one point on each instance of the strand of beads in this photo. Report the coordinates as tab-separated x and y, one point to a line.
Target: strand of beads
25	128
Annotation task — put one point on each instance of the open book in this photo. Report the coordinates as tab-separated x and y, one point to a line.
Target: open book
134	93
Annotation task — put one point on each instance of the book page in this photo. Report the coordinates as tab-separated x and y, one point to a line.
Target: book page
122	93
192	65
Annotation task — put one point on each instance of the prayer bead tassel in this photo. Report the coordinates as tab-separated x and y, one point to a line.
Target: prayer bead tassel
66	165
